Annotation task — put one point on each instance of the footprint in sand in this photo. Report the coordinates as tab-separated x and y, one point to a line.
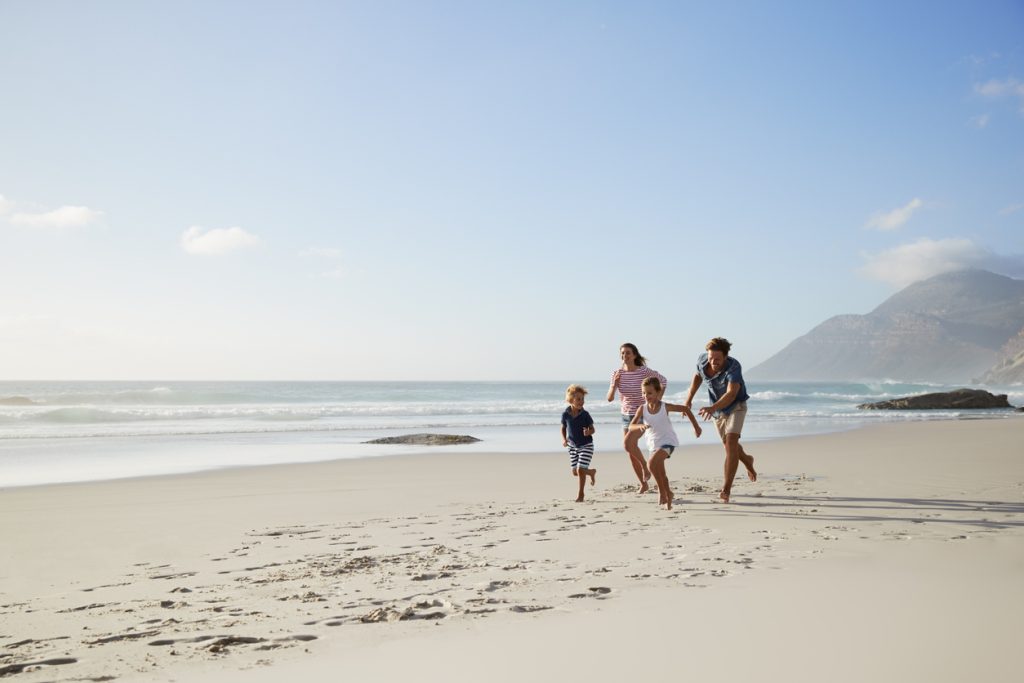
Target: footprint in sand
18	668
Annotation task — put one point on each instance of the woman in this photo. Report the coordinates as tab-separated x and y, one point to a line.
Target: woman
628	380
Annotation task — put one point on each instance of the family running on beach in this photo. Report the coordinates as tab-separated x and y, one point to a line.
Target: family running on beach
643	412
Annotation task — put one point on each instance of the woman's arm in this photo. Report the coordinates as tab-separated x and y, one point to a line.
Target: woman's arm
613	386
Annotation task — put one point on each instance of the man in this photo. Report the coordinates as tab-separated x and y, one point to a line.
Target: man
728	394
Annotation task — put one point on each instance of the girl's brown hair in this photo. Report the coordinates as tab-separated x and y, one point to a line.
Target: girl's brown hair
652	382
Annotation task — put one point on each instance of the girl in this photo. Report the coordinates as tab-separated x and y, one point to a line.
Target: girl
627	380
652	419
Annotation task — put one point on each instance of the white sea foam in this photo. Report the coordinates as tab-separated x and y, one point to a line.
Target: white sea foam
155	427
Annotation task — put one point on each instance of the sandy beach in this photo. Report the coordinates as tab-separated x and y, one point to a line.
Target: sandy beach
892	552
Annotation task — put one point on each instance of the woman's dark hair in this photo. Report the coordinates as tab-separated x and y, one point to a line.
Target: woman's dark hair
718	344
639	360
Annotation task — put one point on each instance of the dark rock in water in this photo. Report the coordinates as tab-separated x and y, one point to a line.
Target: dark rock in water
17	401
961	399
426	439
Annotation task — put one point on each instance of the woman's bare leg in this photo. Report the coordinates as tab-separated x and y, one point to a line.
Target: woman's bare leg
636	458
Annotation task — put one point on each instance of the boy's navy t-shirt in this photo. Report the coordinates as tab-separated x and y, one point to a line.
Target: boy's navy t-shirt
574	427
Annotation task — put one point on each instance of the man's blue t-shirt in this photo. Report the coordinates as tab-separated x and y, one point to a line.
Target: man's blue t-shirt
719	384
574	427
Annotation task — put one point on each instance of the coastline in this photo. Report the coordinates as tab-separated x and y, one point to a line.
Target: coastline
263	572
88	431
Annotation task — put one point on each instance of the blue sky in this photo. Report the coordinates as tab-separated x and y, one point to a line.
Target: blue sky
478	190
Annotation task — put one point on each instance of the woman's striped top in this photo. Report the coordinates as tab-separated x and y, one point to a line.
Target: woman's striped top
631	386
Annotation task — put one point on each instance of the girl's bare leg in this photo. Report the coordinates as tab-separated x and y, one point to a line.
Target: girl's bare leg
657	468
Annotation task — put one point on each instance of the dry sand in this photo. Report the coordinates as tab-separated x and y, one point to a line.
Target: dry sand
888	553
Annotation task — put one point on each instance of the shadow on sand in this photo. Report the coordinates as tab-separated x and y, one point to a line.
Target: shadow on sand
944	511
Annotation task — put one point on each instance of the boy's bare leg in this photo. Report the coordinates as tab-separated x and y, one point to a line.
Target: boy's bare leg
583	484
636	458
593	476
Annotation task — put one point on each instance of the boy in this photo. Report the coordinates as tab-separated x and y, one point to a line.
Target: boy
578	436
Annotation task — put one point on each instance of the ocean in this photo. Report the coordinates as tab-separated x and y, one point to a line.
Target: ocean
52	432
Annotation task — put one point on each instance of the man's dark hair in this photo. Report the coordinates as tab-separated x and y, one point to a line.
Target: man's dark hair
719	344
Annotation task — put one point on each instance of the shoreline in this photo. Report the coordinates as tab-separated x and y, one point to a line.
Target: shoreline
256	573
191	454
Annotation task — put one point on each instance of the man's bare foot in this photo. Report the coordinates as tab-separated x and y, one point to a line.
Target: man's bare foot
593	476
751	472
644	488
580	499
668	499
723	497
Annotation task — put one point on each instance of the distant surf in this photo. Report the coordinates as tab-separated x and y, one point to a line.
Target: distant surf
70	431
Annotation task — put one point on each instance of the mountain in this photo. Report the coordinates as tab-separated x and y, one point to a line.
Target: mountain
1010	368
949	328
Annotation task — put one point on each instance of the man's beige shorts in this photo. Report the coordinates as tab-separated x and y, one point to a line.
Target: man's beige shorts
733	422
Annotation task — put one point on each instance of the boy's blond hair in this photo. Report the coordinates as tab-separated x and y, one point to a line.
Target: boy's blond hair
574	389
652	382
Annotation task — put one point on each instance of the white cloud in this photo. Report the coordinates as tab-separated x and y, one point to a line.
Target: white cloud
1012	209
996	89
322	252
5	205
64	217
908	263
893	219
331	256
980	121
217	241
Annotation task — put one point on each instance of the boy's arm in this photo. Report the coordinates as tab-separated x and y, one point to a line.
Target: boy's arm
565	437
590	428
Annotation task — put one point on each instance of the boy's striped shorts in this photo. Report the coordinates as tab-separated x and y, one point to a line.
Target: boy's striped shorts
580	456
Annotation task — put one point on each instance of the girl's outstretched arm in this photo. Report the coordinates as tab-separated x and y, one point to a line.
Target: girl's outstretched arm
693	420
685	410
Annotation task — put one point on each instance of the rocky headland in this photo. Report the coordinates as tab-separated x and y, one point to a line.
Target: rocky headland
951	328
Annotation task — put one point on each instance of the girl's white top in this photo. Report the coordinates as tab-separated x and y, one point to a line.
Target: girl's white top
659	432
